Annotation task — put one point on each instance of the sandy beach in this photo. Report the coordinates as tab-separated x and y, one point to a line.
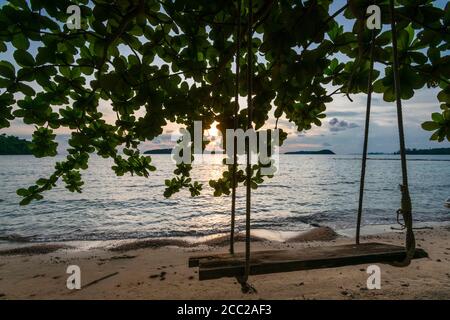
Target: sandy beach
149	269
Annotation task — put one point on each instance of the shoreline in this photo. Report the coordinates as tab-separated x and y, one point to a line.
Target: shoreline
218	240
160	272
313	233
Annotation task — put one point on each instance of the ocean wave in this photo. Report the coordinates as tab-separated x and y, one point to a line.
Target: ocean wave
16	238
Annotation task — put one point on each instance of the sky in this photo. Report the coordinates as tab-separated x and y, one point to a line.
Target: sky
342	131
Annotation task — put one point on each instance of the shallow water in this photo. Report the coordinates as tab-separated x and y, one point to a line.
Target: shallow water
309	189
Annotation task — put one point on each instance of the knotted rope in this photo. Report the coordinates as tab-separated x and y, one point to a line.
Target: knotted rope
366	138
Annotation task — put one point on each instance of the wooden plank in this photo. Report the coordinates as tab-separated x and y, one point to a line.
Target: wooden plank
274	261
194	260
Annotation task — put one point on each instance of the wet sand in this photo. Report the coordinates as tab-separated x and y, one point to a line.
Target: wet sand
157	269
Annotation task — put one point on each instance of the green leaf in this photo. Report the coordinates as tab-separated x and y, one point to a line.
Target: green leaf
25	201
7	70
418	57
437	117
435	136
430	126
22	192
19	3
25	89
20	41
41	182
23	58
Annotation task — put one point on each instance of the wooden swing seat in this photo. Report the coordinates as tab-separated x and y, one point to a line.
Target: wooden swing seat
223	265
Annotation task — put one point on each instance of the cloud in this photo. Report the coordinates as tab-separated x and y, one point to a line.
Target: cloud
341	125
342	114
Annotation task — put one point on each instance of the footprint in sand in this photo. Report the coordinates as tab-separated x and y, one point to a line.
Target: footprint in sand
162	276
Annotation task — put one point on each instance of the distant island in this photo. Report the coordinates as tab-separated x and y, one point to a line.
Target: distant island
10	145
159	151
433	151
169	151
326	151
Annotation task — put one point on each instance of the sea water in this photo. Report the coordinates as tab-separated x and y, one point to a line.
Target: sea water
309	189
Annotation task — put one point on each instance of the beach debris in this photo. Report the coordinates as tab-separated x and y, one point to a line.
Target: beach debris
161	275
159	243
123	257
224	240
347	293
119	258
100	279
317	234
33	250
150	243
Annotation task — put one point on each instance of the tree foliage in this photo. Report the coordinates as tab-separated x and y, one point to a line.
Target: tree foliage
160	61
10	145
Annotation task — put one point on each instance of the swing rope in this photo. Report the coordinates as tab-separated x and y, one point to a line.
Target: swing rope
245	286
405	209
366	138
235	125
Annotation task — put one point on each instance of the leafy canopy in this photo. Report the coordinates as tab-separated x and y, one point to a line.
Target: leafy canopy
10	145
160	61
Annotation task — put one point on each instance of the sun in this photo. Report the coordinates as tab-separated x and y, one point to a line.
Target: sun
213	131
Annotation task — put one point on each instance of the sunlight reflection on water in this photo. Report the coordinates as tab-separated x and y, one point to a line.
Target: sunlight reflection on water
309	189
